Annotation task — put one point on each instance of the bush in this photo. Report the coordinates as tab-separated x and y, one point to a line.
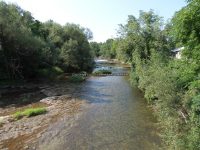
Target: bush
57	70
77	78
103	71
50	72
29	112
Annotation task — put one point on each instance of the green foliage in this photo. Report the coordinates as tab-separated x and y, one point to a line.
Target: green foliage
103	71
186	30
143	36
75	54
95	47
20	49
28	46
50	72
196	107
171	86
193	133
77	78
107	49
29	112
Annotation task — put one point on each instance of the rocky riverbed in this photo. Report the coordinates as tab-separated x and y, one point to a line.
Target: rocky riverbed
28	133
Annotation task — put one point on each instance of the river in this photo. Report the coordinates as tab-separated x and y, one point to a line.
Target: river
117	118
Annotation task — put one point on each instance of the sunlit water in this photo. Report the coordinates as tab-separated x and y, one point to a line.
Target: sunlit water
117	119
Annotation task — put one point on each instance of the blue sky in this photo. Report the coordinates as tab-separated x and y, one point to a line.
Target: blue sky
101	16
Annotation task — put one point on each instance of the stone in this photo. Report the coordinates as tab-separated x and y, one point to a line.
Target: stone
7	128
48	92
26	147
48	100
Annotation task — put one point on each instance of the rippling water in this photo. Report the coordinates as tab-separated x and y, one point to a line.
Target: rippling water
117	118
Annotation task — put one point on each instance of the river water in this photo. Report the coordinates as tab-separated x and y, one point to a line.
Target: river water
117	118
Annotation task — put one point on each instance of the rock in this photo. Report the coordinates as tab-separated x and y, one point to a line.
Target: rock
11	119
43	87
25	128
65	97
1	119
7	128
15	135
49	100
26	147
48	93
50	108
5	119
39	135
1	131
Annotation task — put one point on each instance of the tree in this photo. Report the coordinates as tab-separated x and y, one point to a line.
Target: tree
95	47
186	30
106	49
28	46
20	48
143	35
170	85
88	33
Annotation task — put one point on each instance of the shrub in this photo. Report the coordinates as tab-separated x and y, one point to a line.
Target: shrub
57	70
50	72
77	78
103	71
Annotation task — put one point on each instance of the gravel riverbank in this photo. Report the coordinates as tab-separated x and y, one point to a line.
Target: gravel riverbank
28	133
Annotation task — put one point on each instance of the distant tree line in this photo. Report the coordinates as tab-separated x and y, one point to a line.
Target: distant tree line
171	86
29	48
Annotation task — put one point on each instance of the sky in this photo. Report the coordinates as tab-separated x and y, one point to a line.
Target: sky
100	16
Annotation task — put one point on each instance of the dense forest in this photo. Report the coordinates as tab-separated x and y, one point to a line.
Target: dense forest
30	48
171	86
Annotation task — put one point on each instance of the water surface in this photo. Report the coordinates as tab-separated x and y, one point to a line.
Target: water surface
117	118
